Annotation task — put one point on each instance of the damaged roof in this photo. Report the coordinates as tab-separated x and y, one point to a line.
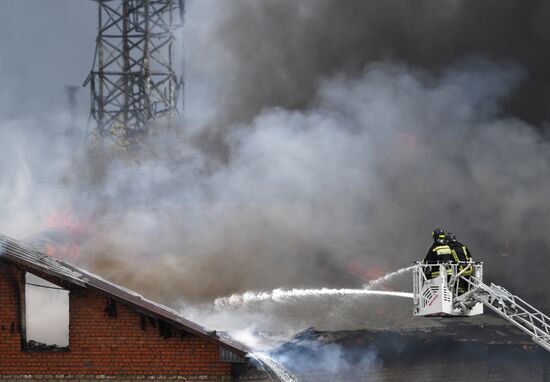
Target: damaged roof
18	253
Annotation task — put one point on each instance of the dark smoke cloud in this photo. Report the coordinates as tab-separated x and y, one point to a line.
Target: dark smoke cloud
274	53
348	131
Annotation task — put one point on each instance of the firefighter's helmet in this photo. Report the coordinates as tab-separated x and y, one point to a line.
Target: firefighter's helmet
439	235
450	237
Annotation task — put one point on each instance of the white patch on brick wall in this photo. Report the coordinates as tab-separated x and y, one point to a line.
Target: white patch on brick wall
46	313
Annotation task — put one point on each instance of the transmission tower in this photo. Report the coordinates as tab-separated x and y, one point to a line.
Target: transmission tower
133	81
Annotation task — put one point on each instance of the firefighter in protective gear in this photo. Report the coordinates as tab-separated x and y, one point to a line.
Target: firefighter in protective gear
461	254
438	253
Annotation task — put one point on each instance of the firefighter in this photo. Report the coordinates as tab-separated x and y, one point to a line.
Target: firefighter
461	254
438	253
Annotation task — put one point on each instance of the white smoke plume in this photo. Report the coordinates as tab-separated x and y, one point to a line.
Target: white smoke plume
341	363
322	142
378	161
302	170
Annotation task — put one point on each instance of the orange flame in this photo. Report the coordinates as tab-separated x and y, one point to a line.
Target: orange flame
358	269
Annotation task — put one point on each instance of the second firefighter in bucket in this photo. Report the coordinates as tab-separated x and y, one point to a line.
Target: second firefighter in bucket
461	254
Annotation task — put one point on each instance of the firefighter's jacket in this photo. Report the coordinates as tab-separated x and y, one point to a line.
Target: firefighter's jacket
461	253
438	253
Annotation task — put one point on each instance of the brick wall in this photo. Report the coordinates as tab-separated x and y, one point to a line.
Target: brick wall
126	347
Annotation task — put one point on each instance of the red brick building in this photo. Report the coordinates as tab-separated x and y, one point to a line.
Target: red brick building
113	333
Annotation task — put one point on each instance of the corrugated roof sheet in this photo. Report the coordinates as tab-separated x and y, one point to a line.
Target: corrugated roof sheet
21	254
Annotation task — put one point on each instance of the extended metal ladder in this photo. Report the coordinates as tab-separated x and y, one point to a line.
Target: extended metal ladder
510	307
452	293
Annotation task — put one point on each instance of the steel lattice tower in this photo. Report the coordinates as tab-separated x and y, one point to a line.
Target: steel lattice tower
133	81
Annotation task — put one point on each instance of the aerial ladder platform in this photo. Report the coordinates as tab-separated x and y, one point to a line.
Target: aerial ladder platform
458	290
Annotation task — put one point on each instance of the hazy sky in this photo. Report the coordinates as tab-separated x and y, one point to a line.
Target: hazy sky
44	46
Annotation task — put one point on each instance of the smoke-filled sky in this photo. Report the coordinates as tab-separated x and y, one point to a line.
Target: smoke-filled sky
322	142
